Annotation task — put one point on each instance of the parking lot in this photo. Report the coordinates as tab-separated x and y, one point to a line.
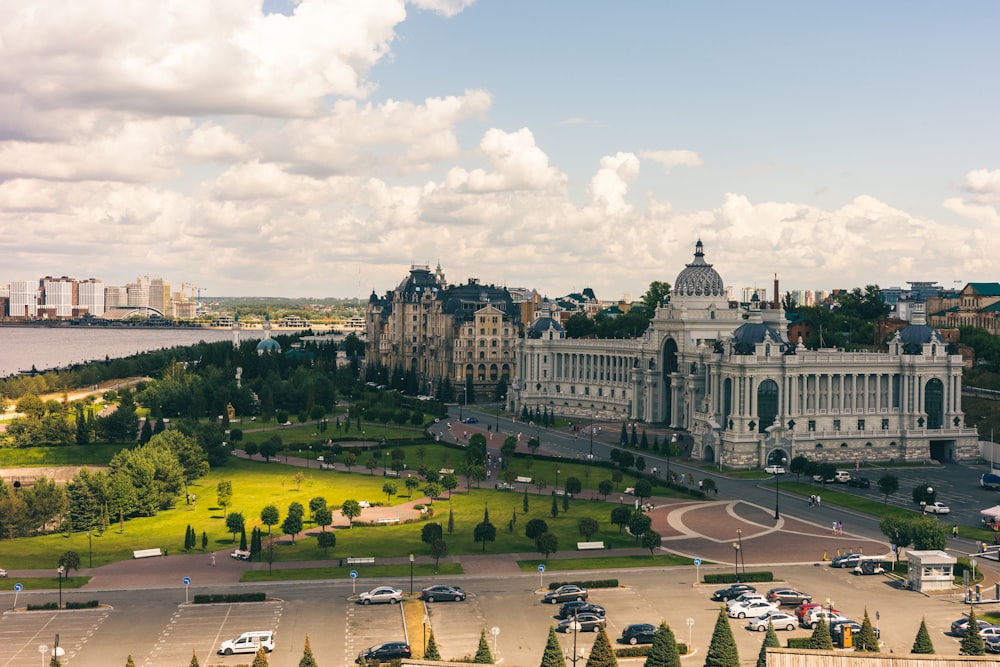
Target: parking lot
368	625
23	633
199	629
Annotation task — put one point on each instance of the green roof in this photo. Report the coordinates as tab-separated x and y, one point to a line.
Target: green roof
986	289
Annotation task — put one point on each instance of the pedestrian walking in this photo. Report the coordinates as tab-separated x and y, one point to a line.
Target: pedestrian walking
840	527
834	527
954	531
819	501
213	559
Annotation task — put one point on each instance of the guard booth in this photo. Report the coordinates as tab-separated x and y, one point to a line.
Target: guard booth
846	637
930	570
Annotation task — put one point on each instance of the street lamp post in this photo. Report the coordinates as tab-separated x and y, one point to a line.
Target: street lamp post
736	560
777	475
591	456
557	479
670	446
411	574
743	556
59	571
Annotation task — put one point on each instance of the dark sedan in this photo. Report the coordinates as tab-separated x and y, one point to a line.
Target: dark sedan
384	653
786	595
638	633
734	591
565	594
586	623
577	607
442	592
859	482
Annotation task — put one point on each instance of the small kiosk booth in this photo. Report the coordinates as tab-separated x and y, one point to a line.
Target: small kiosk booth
930	571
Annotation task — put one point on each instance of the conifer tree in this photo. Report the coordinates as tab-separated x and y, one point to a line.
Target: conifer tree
601	653
307	656
553	656
243	538
866	641
431	652
722	650
194	660
922	642
483	655
663	652
451	521
260	660
821	639
972	641
555	505
129	662
770	641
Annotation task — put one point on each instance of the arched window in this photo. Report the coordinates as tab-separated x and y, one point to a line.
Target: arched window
767	404
934	403
843	445
819	445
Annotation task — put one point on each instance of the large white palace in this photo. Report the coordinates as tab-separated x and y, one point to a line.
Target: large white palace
726	373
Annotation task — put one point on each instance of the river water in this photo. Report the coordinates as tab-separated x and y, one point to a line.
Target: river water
22	347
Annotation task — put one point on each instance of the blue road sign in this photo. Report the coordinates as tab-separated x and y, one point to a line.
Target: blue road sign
187	581
697	561
354	574
18	587
541	568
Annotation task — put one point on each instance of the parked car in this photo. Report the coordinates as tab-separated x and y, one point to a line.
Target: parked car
752	609
384	653
991	644
780	620
735	590
565	594
442	592
638	633
847	560
248	642
812	617
774	470
743	599
860	482
470	420
579	607
958	627
991	632
788	596
842	477
936	508
381	594
837	629
589	622
804	609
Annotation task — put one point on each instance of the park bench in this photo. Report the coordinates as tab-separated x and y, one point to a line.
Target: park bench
387	520
584	546
240	555
147	553
366	560
523	480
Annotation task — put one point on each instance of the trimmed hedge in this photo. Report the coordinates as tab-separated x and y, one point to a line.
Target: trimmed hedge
731	578
89	604
215	598
596	583
43	607
643	651
798	642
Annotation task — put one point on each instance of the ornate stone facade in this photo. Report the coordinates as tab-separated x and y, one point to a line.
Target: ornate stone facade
726	374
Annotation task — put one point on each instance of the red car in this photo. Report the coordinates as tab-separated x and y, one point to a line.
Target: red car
803	609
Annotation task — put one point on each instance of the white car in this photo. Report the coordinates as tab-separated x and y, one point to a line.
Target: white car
936	508
743	598
775	470
779	619
248	642
381	594
811	617
752	609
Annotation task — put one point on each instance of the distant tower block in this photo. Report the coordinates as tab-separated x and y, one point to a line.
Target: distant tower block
236	331
239	377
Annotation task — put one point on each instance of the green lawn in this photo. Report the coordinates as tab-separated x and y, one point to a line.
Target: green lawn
873	506
42	583
71	455
257	484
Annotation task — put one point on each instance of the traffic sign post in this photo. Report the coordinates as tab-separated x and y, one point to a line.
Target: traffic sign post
187	582
354	581
697	570
541	571
17	589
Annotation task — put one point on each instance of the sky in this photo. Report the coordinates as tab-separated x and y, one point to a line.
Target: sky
319	148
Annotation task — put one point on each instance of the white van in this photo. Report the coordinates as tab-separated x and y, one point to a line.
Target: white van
842	477
248	642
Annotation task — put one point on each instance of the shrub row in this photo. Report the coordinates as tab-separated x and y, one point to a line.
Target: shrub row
643	651
798	642
214	598
744	578
596	583
43	607
89	604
